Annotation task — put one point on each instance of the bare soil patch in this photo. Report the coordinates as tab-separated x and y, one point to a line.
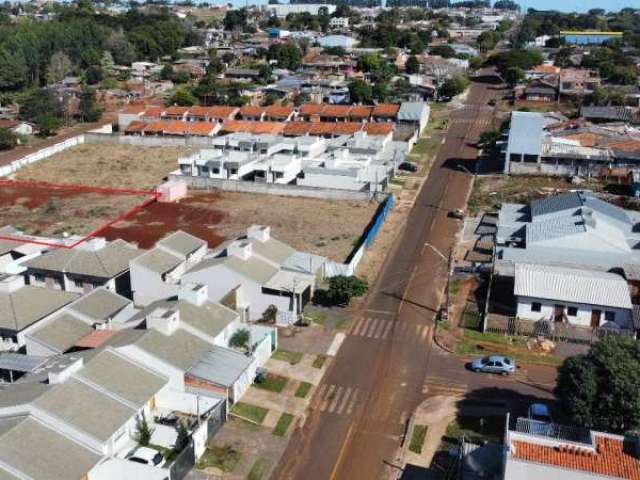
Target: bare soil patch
326	227
107	165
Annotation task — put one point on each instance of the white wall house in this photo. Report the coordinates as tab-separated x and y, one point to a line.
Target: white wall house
578	297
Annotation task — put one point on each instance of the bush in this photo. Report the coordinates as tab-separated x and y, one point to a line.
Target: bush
240	339
143	431
342	289
8	139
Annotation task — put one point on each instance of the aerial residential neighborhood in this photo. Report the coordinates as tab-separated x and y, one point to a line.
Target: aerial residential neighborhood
335	240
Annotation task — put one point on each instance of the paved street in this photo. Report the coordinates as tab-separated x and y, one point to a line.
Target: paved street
388	363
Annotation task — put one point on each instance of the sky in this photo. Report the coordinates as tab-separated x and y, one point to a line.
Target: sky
578	5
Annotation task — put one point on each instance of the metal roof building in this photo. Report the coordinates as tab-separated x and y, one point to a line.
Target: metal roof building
525	137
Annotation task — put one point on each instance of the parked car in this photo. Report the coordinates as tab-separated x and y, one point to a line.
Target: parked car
457	213
494	364
408	167
147	456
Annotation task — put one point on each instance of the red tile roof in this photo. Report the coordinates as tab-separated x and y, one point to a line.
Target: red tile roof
253	127
153	112
610	457
360	111
201	128
95	339
381	128
176	111
297	128
135	126
251	111
336	110
322	128
134	109
155	127
279	111
346	128
625	145
222	111
311	109
386	110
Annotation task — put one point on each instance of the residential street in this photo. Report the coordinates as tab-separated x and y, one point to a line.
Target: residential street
388	363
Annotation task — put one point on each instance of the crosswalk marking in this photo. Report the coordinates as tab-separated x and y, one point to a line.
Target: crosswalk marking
386	330
352	402
345	399
439	385
325	401
372	327
380	329
335	399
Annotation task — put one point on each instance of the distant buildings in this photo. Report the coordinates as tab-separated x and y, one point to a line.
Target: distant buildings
589	38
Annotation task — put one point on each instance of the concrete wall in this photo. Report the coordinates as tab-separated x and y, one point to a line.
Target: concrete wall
149	141
582	318
148	286
40	155
522	470
269	188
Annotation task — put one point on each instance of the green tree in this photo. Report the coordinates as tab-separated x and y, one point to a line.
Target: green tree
8	139
106	63
240	339
343	288
270	314
444	51
413	65
601	389
454	86
286	55
88	107
167	72
359	91
624	75
59	66
183	97
514	75
48	124
380	92
93	75
143	431
13	70
182	436
38	102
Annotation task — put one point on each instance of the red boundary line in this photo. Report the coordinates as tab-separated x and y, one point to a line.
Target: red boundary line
153	197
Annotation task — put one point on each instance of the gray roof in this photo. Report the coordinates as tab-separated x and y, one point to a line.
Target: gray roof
555	203
62	332
254	268
20	362
272	249
412	111
28	304
181	349
622	114
181	242
526	132
107	262
39	453
122	377
100	304
85	408
221	366
7	246
158	261
572	285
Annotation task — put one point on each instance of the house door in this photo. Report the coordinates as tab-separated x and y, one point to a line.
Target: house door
595	318
558	313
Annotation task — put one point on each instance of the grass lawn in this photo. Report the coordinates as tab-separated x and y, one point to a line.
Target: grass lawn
319	318
290	357
319	361
417	438
273	383
259	469
251	412
303	390
283	424
477	343
426	146
225	458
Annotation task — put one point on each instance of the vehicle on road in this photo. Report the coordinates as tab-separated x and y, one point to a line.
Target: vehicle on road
408	167
457	213
147	456
494	364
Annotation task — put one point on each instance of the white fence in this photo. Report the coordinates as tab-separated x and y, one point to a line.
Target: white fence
40	155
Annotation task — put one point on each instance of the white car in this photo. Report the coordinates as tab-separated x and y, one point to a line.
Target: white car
147	456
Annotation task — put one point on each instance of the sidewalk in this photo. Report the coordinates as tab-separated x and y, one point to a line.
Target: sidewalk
303	371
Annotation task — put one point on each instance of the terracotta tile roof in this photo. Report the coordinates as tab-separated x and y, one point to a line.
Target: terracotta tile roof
222	111
155	127
625	145
279	111
95	339
134	109
386	110
251	111
153	112
346	128
610	457
322	128
176	111
336	110
135	126
546	69
253	127
311	109
297	128
586	139
360	111
202	128
373	128
176	127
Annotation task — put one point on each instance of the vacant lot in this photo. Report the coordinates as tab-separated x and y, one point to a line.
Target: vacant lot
107	165
326	227
490	192
46	211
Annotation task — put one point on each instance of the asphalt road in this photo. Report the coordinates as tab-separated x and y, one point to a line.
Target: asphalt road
388	363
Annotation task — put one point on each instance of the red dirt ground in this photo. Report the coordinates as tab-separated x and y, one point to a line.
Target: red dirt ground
158	219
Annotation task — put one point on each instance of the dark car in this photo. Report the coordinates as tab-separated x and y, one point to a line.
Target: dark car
408	167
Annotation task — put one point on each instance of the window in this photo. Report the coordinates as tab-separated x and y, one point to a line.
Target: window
572	311
78	283
215	170
536	307
38	277
610	316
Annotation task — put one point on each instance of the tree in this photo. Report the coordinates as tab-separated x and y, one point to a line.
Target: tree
444	51
380	91
13	70
270	314
454	86
37	102
59	66
601	389
143	431
624	75
89	109
48	124
240	339
182	436
489	138
286	55
359	91
167	72
8	139
514	75
93	75
413	65
342	289
265	72
182	97
106	63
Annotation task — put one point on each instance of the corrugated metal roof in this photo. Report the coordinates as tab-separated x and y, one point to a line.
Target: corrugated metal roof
571	285
221	366
412	111
526	132
555	203
20	362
